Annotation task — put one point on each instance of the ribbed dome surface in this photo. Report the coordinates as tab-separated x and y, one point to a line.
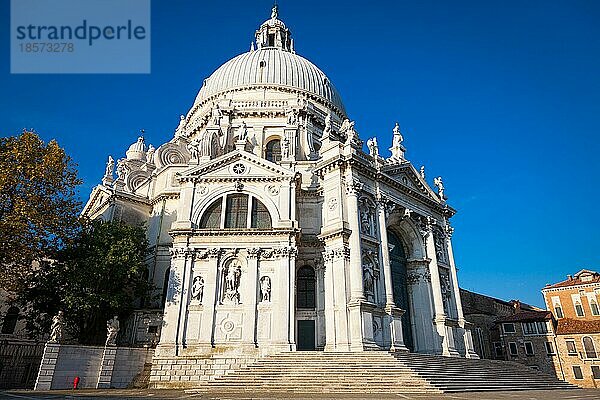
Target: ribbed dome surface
270	66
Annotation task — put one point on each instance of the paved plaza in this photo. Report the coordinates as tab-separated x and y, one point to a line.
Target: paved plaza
577	394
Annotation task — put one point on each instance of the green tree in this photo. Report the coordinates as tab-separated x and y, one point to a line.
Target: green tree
38	205
98	275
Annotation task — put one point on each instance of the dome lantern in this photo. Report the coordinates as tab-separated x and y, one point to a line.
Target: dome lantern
273	33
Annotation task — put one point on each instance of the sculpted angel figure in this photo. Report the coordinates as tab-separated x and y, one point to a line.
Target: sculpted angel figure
112	329
440	186
110	166
285	148
216	115
265	288
193	149
242	131
327	129
179	131
121	170
398	139
150	154
373	147
56	329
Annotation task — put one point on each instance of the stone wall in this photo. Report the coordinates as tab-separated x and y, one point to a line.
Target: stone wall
180	372
110	367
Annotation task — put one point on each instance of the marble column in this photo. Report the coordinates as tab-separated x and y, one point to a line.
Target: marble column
356	277
385	254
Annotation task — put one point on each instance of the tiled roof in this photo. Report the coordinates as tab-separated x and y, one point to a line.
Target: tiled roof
527	316
571	326
576	280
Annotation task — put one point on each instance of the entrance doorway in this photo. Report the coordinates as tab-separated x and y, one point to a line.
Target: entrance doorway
306	335
399	285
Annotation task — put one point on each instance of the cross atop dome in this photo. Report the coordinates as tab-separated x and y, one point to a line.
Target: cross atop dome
274	34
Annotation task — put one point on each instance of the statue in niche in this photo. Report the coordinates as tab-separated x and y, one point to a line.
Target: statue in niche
365	222
198	288
440	248
440	186
56	329
369	281
110	166
373	147
180	128
265	288
112	329
193	148
232	282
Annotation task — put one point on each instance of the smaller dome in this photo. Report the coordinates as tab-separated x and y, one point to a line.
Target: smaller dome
137	151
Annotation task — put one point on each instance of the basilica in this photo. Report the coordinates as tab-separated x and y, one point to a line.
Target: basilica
275	228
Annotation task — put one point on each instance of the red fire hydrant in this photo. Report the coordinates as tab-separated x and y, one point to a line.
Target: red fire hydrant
75	382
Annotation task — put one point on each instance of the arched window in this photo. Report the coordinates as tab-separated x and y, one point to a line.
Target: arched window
273	152
588	346
241	211
212	216
10	321
306	288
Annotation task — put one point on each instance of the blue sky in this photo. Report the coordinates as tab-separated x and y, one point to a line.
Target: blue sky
501	98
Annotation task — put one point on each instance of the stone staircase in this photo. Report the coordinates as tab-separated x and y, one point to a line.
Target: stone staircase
378	372
464	375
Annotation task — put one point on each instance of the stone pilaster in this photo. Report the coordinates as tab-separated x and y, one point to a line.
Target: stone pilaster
210	258
47	366
444	332
468	339
249	329
418	282
336	307
106	367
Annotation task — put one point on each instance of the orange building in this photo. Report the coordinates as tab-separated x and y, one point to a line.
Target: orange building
574	304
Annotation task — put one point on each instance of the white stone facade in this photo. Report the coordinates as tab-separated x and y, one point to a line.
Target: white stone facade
276	232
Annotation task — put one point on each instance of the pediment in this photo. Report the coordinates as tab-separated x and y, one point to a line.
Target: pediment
408	176
237	165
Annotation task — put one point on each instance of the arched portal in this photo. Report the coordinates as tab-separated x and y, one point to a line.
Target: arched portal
399	285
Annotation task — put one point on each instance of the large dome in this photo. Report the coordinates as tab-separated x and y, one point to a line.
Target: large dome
273	67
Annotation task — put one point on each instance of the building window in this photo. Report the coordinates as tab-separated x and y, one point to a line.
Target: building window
596	371
594	308
513	349
558	312
571	349
9	323
588	346
549	348
498	350
542	327
508	328
306	285
237	213
260	217
577	372
529	328
529	348
212	216
273	150
579	309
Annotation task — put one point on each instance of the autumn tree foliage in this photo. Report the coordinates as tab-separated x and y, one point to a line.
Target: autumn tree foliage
38	205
